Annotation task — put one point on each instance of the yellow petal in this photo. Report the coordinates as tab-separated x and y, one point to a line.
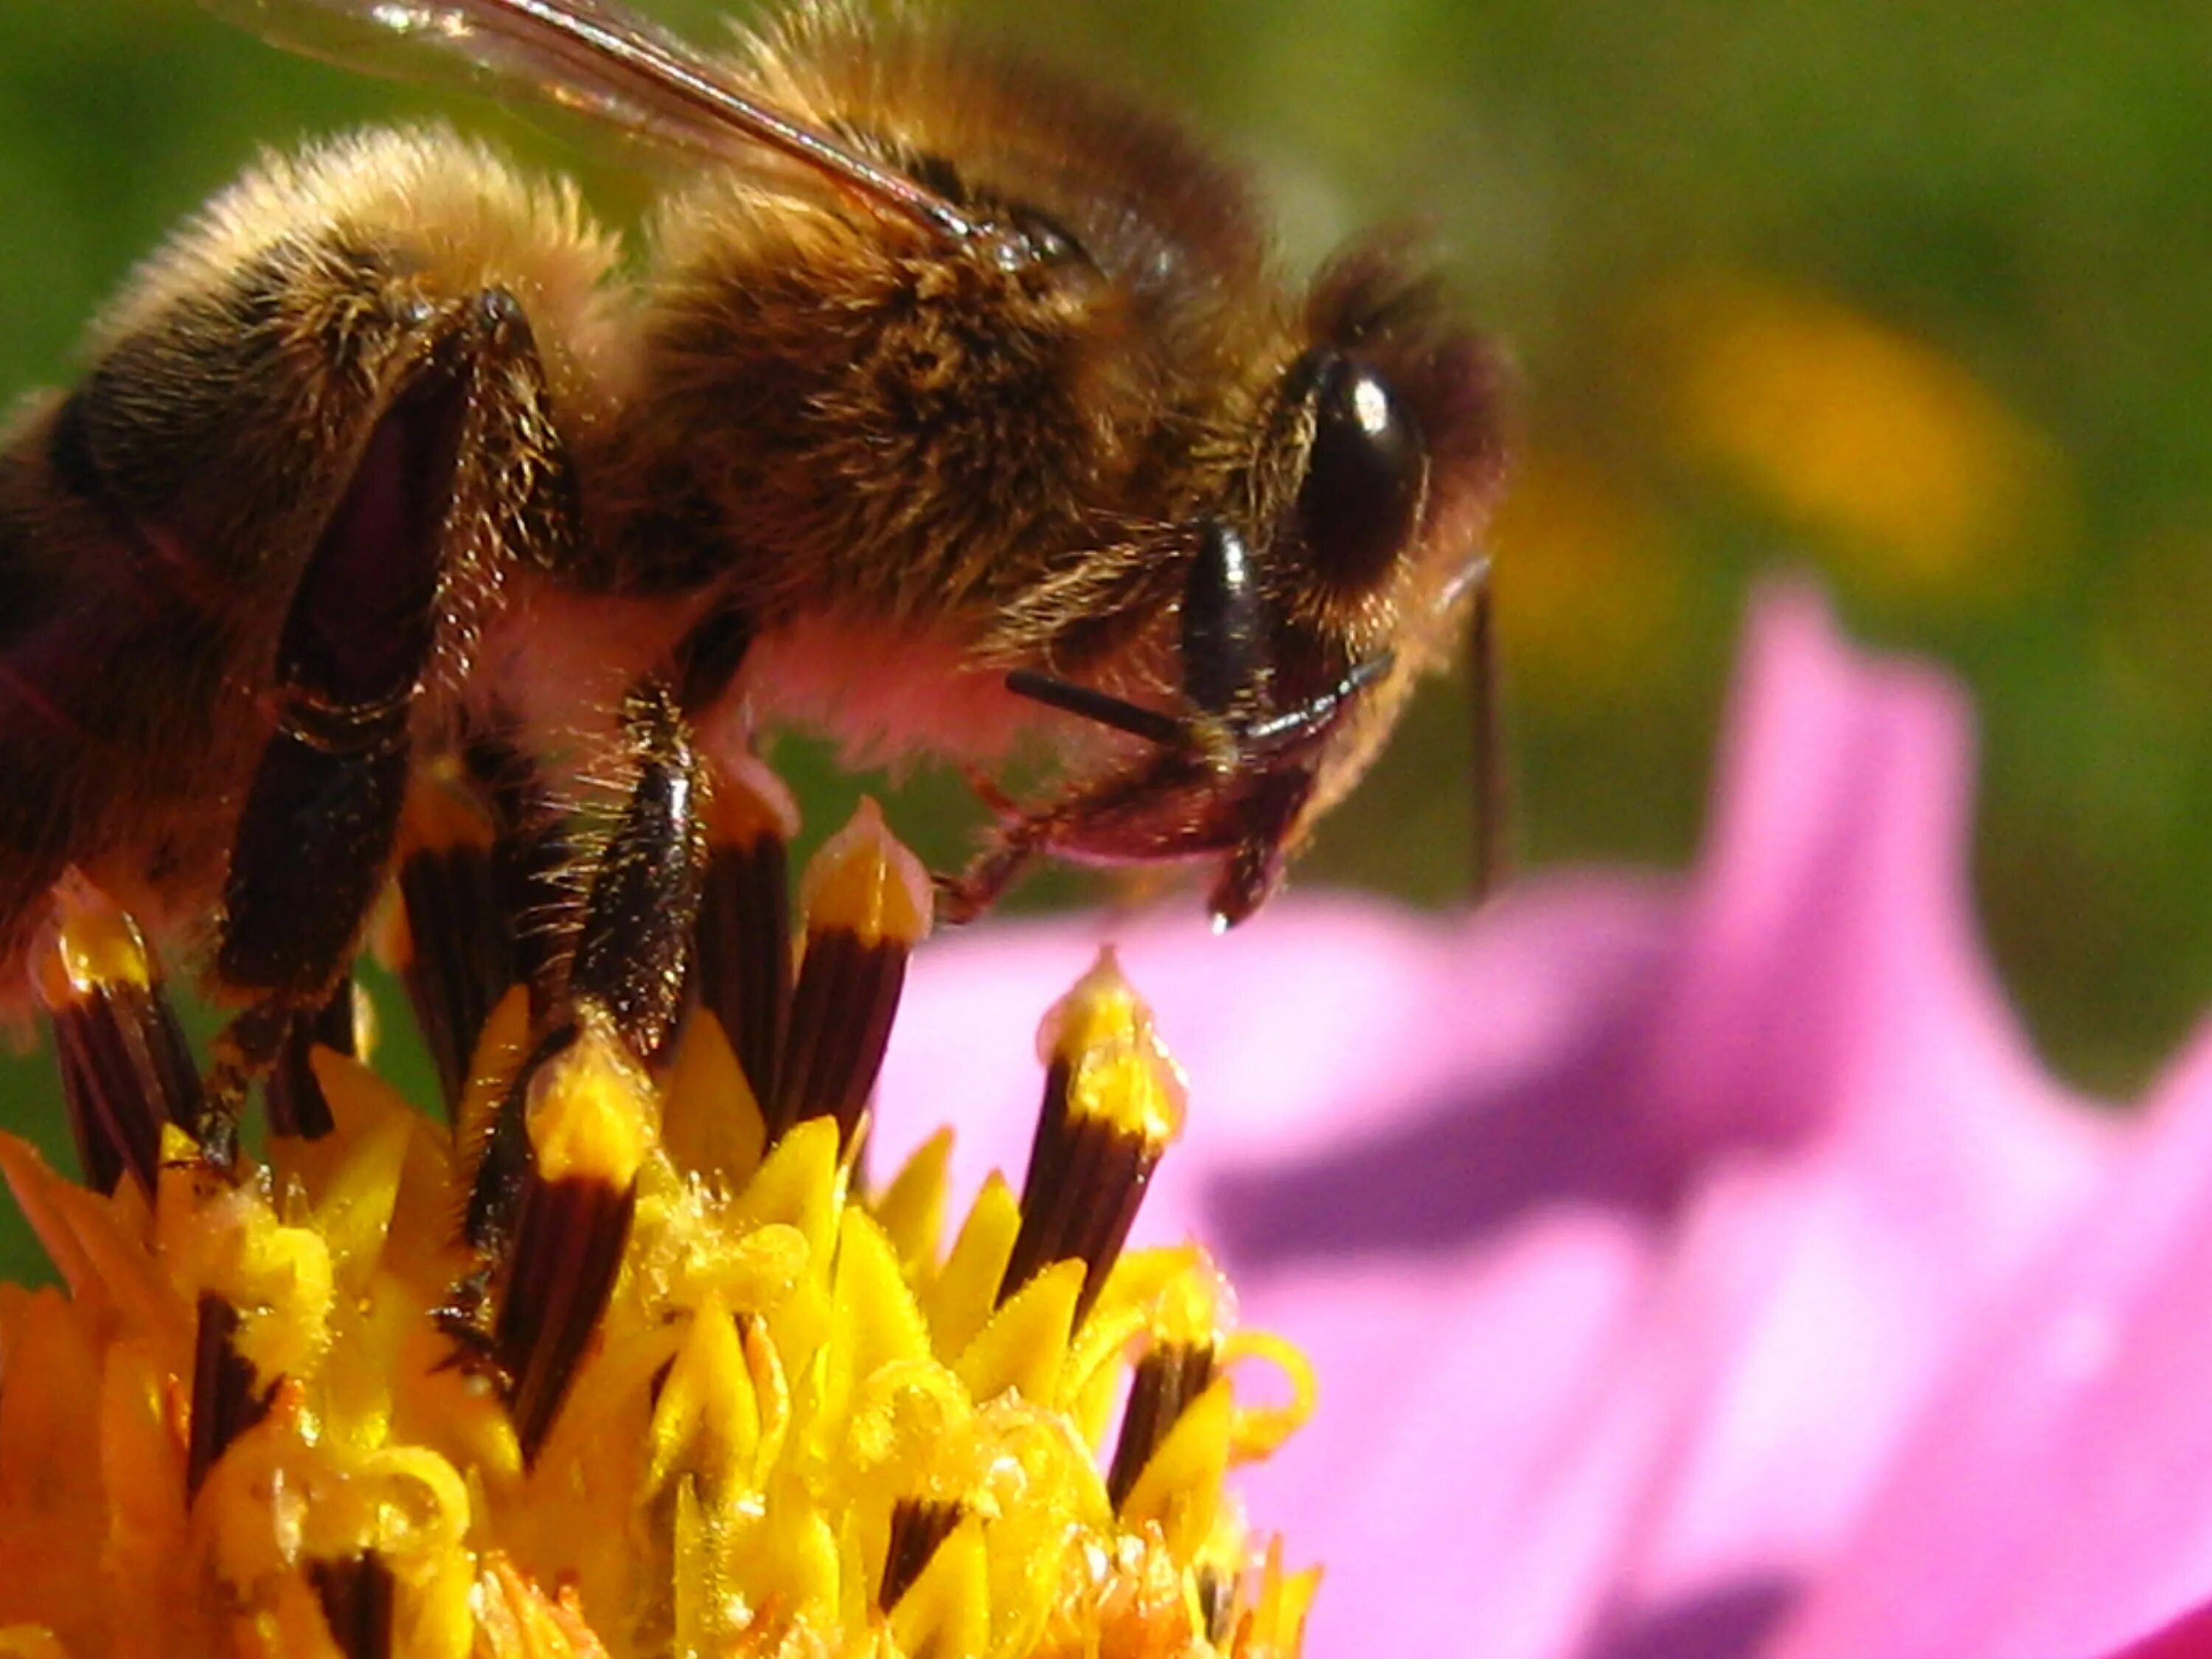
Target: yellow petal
967	1289
706	1422
1180	1490
946	1613
712	1123
875	1320
1022	1346
912	1208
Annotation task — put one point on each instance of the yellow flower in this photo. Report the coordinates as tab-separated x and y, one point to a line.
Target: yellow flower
715	1392
1907	468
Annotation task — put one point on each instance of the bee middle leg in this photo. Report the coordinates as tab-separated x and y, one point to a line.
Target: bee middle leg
554	1168
371	611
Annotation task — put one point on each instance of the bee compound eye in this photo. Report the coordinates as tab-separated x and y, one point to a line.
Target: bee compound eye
1366	475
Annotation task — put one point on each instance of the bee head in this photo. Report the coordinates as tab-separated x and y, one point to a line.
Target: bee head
1384	455
1331	569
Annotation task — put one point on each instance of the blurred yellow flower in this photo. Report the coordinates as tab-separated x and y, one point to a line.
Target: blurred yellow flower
1587	576
1891	455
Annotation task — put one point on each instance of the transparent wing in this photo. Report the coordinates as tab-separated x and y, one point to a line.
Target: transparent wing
590	56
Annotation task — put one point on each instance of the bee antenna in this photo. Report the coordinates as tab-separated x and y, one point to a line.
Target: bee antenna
1101	708
1472	577
1288	727
1489	770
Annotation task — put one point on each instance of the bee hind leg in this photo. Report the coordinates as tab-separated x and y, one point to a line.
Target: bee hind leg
317	833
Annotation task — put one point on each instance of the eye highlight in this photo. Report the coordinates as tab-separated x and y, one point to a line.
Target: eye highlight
1367	472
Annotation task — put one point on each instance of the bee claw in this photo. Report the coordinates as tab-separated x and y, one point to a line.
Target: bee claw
462	1320
965	897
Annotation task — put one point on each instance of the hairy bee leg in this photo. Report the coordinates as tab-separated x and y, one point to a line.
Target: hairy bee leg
323	810
1031	834
554	1185
296	1102
633	948
321	817
630	947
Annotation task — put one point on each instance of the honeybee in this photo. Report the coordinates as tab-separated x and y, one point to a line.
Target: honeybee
944	401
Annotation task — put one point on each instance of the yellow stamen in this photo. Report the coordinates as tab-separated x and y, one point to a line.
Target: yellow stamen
95	946
1121	1073
749	802
864	883
593	1111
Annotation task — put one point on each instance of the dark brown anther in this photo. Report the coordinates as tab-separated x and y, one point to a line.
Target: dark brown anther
1168	1379
127	1070
457	951
1085	1181
841	1025
920	1527
224	1402
357	1592
588	1112
1113	1101
743	967
868	904
296	1102
568	1248
1217	1601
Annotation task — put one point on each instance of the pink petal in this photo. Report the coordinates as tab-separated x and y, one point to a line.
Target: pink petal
2057	1499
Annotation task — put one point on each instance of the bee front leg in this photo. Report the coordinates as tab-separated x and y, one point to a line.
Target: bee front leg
1114	819
375	602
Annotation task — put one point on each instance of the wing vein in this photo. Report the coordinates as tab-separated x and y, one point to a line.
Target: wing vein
593	56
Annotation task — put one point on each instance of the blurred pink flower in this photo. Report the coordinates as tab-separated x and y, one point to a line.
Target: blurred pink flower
1693	1269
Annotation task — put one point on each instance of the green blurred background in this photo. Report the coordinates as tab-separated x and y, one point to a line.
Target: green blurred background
1917	297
